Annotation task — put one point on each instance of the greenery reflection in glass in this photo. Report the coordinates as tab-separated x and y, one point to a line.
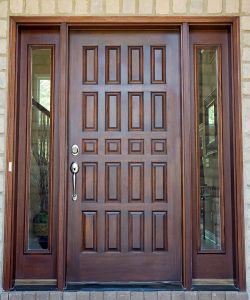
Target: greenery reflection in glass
209	176
40	149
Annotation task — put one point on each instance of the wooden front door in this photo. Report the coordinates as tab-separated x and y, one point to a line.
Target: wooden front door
124	115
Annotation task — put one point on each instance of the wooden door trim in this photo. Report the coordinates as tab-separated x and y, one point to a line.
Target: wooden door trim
145	21
150	22
63	142
186	159
10	157
238	157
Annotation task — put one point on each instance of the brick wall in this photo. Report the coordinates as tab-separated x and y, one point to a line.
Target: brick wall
131	7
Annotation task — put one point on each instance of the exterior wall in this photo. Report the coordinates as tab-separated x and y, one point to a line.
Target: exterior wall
130	7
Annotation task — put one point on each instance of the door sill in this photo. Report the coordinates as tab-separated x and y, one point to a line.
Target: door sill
124	286
35	284
214	285
217	288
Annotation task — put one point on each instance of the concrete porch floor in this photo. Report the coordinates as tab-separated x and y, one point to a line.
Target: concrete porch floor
123	295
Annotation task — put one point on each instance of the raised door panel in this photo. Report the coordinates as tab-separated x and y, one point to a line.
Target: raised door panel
90	111
159	181
135	111
113	111
113	64
90	64
113	182
90	146
89	229
158	111
136	230
136	182
158	62
90	181
135	64
113	231
160	238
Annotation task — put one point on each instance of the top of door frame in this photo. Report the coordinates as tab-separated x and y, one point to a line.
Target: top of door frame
124	20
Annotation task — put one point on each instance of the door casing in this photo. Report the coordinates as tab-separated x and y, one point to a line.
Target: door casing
185	24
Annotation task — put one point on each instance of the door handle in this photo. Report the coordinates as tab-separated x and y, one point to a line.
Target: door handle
74	168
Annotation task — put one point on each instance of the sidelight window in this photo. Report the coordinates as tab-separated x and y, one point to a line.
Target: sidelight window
39	152
209	163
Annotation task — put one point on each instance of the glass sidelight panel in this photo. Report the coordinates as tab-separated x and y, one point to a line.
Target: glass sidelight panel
208	144
40	149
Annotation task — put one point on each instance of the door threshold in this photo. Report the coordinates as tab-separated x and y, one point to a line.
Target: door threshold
34	288
217	288
35	285
124	286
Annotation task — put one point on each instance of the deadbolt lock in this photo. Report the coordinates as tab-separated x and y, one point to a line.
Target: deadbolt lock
74	150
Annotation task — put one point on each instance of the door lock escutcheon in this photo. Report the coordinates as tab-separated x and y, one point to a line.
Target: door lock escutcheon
74	150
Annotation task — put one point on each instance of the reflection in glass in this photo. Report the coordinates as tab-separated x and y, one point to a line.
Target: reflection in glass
39	189
209	175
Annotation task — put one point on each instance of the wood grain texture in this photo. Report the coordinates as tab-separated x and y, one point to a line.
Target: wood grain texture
63	140
89	229
238	204
135	64
90	111
90	146
113	64
158	60
90	65
113	111
113	181
136	226
9	242
136	111
90	181
126	21
186	159
136	181
136	230
160	231
158	110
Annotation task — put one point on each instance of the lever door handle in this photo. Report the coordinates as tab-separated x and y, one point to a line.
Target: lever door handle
74	168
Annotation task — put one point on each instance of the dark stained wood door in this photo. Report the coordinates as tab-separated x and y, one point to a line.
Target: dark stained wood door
124	114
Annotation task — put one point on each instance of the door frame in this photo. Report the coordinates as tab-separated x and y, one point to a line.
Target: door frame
184	24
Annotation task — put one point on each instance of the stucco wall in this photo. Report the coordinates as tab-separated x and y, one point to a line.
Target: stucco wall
130	7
